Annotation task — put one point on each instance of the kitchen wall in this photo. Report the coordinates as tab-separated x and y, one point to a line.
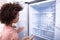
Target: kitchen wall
57	29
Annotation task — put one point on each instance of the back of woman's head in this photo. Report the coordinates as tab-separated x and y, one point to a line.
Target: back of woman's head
8	12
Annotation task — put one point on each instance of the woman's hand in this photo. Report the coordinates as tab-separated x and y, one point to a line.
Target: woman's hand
31	38
20	29
27	37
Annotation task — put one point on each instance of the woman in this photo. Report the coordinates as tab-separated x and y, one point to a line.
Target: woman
9	14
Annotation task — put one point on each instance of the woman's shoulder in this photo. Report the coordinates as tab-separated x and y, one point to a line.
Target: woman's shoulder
9	33
9	30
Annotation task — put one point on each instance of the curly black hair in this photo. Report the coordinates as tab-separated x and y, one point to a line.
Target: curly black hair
8	12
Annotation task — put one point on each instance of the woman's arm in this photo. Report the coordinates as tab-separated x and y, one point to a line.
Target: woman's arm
14	36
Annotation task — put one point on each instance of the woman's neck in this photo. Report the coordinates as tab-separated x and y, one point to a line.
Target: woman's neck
10	25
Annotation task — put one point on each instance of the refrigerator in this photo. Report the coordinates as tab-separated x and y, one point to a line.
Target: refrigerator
38	18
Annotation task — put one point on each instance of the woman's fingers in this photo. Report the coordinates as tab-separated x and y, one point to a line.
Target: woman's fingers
25	38
21	29
32	37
